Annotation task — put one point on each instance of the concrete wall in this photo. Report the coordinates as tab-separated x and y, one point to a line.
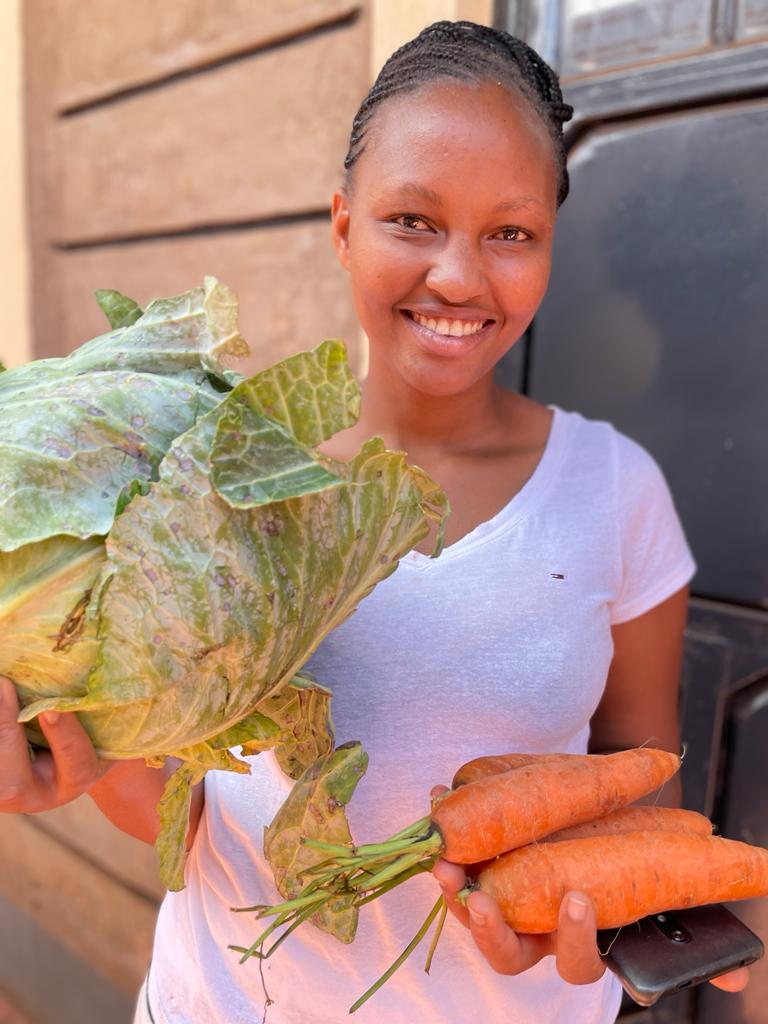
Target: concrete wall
170	141
394	22
14	257
163	142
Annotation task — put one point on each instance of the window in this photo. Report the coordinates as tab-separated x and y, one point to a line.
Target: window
752	19
602	34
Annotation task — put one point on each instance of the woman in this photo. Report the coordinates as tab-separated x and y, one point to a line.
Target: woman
552	621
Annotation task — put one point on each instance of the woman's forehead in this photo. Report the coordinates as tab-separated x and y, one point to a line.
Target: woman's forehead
481	129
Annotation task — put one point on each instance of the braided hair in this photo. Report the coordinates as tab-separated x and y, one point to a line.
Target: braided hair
473	53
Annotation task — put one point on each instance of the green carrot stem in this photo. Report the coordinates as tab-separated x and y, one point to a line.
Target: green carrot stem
321	881
333	848
463	894
253	949
420	829
356	867
391	871
299	919
422	825
401	959
436	934
296	904
417	869
330	867
420	853
316	869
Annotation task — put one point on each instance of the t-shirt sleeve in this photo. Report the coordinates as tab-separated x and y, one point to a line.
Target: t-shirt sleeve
655	558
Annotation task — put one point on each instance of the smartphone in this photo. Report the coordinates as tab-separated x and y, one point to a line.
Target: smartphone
667	952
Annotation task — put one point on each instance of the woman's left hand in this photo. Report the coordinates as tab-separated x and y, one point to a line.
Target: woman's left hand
574	944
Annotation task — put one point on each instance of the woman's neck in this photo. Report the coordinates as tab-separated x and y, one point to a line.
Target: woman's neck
441	424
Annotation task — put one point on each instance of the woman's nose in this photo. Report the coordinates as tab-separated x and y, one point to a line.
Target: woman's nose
456	273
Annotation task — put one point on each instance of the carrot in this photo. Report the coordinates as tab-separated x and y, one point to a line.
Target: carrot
636	818
501	812
494	764
626	876
482	820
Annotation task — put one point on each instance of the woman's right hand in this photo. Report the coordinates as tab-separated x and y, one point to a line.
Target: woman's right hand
52	778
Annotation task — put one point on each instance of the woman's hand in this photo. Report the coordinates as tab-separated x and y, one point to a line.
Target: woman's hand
52	778
574	944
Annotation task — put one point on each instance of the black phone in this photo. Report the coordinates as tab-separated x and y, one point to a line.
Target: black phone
667	952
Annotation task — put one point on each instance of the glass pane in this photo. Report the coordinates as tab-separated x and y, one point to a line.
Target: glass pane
752	19
602	34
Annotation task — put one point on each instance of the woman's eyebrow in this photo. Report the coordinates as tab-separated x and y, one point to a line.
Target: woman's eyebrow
411	190
516	204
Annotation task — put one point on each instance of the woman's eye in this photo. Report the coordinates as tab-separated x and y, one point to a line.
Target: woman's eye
512	235
411	222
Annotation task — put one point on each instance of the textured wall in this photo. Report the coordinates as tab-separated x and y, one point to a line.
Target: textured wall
169	141
14	339
164	142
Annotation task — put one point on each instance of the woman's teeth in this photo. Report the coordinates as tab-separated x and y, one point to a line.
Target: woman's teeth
451	328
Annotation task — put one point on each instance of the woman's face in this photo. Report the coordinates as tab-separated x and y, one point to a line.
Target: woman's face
447	232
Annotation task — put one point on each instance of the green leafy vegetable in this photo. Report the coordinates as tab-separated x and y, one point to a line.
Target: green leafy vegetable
118	309
314	809
174	546
302	712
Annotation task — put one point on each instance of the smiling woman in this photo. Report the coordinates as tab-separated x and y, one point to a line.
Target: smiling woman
552	622
465	267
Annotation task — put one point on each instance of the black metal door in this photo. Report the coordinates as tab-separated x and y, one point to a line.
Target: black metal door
657	320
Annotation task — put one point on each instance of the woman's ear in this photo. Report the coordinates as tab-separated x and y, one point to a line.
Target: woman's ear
340	227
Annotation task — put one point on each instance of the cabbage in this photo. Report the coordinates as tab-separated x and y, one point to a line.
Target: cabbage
173	546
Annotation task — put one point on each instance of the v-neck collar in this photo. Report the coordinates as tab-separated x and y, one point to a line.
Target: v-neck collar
516	509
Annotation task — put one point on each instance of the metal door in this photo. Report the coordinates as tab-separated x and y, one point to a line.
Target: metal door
657	320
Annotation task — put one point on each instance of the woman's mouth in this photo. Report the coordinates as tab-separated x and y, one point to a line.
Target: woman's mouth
446	336
450	328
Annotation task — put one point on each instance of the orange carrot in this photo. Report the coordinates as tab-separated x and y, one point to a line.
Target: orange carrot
634	818
637	818
626	876
494	764
478	821
501	812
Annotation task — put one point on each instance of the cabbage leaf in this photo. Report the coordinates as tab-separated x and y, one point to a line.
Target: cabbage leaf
174	545
314	809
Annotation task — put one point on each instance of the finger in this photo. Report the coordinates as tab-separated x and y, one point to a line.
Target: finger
578	959
505	950
451	879
15	766
734	981
75	762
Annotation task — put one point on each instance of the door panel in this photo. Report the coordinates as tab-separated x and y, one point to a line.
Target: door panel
656	318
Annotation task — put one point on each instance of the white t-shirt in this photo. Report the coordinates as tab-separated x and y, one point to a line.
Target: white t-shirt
502	644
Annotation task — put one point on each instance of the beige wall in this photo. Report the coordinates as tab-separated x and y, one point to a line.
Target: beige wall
208	140
14	334
394	22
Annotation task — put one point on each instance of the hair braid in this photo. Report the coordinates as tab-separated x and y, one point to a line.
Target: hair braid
469	52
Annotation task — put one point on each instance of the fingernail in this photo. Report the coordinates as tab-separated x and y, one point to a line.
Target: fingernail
51	717
577	909
478	919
